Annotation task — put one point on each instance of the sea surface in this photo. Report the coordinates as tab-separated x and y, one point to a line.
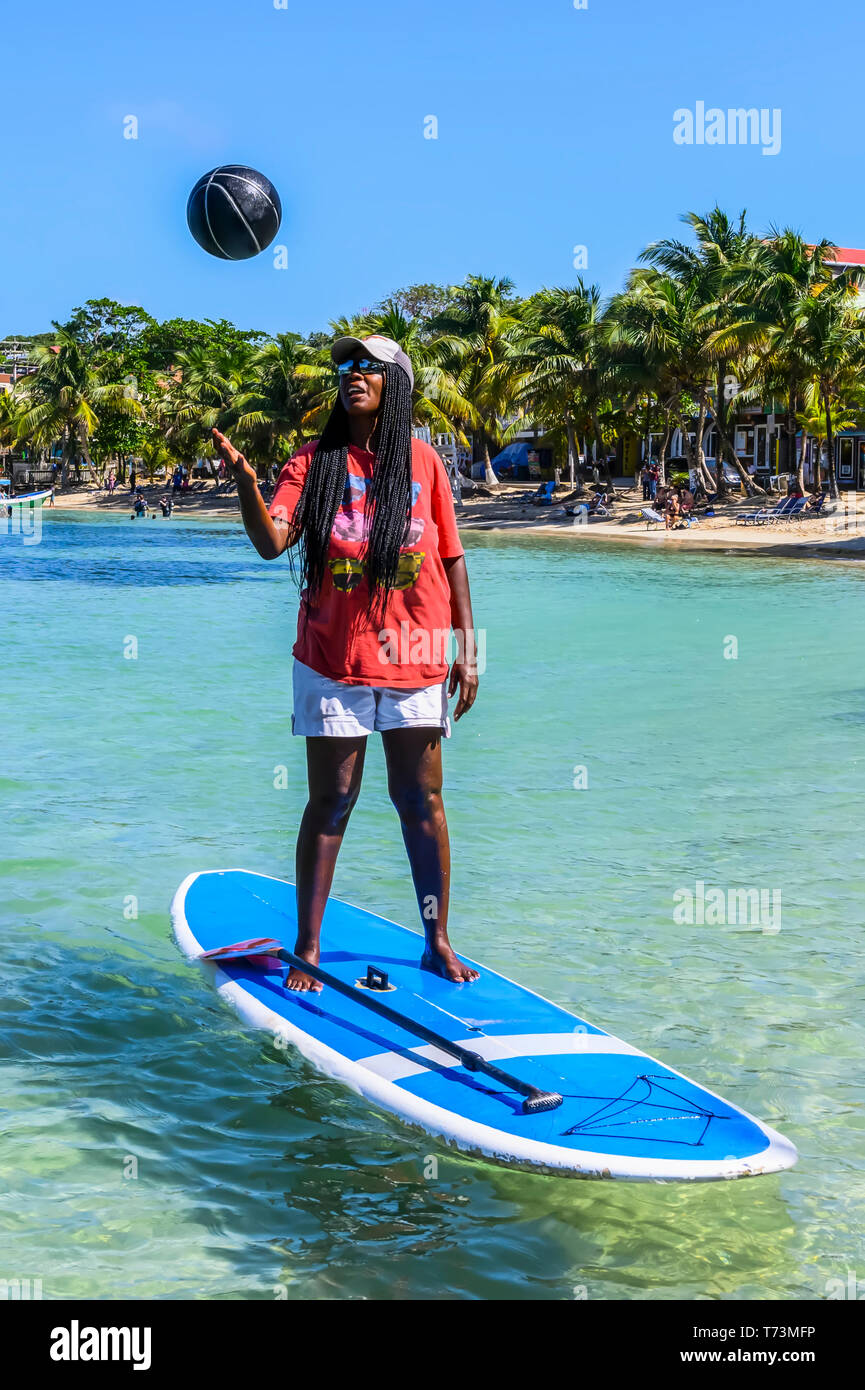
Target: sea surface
649	720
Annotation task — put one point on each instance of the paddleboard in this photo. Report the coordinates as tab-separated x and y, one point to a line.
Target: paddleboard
27	497
623	1114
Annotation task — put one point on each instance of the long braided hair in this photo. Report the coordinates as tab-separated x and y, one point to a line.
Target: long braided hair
387	506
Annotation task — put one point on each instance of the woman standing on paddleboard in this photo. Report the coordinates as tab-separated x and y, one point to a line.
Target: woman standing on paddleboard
383	580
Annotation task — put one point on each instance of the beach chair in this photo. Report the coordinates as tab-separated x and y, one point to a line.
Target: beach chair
652	517
767	514
798	507
807	512
591	509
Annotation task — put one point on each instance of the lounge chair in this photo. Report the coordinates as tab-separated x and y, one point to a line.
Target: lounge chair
592	509
652	517
815	510
798	507
767	514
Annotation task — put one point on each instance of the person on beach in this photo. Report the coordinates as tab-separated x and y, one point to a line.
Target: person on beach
672	510
384	579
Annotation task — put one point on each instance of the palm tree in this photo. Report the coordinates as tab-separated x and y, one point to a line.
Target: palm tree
62	399
474	330
812	422
201	392
722	245
829	337
641	361
663	323
776	279
557	352
8	424
437	399
711	274
269	412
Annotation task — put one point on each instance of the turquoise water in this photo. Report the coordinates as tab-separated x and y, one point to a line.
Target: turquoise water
151	1146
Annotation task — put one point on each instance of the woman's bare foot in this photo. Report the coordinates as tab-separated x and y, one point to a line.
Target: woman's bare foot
440	959
297	980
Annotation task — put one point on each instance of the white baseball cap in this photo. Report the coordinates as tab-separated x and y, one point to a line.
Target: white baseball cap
379	348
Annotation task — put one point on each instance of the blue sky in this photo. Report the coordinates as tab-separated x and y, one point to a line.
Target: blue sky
555	129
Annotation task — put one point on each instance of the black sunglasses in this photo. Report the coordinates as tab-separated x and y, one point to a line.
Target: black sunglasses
367	366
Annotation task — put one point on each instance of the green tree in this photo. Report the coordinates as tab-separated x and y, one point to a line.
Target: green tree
62	400
829	337
107	325
268	413
418	301
202	392
777	279
557	351
472	335
714	264
159	345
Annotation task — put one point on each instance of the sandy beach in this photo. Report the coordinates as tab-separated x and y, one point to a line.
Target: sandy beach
835	534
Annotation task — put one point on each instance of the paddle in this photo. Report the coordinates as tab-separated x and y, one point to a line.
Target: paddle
262	949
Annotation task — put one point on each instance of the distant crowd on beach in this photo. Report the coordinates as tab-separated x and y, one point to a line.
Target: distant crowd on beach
180	484
675	502
179	480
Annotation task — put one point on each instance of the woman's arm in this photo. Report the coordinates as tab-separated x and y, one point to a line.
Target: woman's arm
465	669
269	536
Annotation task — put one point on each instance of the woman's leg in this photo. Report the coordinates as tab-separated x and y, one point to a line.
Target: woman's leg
414	777
334	771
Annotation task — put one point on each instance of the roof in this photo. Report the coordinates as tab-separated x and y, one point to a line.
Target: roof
847	255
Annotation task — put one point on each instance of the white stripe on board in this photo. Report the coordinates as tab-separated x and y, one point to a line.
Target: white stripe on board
394	1066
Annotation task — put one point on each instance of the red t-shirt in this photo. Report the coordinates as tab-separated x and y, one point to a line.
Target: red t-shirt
409	647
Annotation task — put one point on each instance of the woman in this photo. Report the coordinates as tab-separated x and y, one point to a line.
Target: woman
383	579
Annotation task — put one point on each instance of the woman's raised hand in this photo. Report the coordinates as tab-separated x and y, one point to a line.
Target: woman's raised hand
233	458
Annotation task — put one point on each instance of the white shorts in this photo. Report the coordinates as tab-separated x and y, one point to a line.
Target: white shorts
334	709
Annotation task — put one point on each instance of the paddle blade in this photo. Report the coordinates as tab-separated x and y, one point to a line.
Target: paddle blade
259	951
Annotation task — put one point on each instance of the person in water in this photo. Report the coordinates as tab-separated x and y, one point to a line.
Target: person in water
383	580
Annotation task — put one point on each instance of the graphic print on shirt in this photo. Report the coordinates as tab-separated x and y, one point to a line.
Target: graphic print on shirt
346	573
338	635
352	524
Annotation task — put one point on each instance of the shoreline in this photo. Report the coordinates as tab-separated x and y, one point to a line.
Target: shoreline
509	513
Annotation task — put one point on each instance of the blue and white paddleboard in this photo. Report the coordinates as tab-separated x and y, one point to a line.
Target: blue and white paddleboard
24	499
624	1115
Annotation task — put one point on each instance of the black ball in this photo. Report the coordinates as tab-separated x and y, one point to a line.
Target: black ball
234	212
